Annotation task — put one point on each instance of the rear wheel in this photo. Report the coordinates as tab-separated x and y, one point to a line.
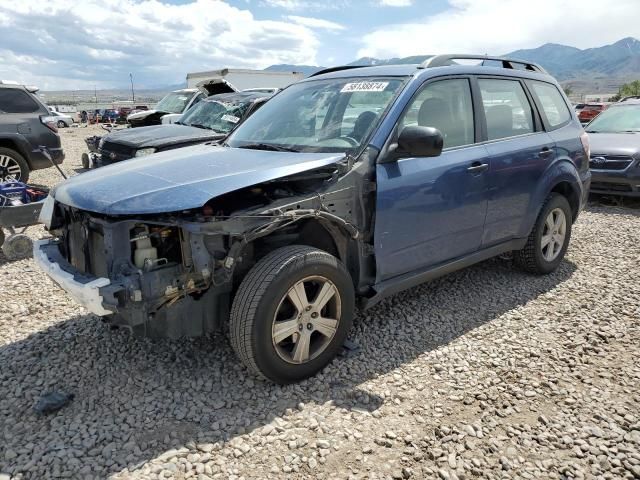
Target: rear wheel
549	239
61	124
13	167
292	313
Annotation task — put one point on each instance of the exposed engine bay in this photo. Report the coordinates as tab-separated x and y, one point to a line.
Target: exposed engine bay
173	274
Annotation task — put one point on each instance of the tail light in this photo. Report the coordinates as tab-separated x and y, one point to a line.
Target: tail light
50	122
584	138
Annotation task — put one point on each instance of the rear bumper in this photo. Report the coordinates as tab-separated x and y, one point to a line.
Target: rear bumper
84	289
626	183
38	161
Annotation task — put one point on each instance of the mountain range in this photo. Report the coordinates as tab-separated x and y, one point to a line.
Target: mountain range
600	68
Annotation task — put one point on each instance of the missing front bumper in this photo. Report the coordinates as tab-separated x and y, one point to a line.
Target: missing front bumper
84	289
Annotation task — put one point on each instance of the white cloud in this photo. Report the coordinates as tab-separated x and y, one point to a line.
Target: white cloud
306	5
396	3
67	44
501	26
316	23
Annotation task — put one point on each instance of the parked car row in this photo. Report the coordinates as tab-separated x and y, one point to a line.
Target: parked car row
208	120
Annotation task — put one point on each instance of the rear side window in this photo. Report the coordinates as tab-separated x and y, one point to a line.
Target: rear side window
553	106
16	101
506	108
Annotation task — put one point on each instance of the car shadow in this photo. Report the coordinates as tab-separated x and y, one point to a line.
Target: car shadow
137	399
614	204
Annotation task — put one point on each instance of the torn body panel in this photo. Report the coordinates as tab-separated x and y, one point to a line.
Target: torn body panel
174	274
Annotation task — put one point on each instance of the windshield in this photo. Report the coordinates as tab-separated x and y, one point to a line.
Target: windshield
175	102
216	115
335	115
617	119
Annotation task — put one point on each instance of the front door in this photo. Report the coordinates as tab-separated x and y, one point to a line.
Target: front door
430	210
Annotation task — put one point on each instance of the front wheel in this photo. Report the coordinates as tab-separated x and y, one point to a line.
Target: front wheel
292	313
549	239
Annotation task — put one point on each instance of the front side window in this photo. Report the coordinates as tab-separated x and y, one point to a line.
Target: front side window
506	108
617	119
333	115
13	100
553	106
447	106
174	102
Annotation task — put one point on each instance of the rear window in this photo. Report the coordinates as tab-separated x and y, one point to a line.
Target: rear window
553	106
13	100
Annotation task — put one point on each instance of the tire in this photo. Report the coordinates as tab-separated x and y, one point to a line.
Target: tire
262	302
1	238
61	124
10	162
85	161
536	257
17	246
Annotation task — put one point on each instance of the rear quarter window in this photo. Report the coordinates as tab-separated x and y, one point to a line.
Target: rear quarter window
554	108
13	100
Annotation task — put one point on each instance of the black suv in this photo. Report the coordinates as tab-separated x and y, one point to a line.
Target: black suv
25	125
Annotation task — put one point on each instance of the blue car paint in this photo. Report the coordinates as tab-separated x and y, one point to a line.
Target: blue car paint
428	210
517	165
520	179
181	179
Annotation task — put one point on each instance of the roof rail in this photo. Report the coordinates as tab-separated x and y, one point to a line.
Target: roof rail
445	60
337	69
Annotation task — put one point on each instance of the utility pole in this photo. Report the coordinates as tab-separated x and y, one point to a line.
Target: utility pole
95	95
133	95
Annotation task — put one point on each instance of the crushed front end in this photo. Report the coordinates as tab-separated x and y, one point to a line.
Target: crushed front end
173	274
153	275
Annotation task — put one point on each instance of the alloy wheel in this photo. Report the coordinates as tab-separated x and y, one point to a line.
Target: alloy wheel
553	234
302	328
9	169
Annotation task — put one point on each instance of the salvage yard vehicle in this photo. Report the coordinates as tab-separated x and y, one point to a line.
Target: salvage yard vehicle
26	124
615	143
178	102
208	120
62	119
344	188
591	111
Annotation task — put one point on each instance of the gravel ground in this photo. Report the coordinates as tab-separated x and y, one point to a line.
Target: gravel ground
486	373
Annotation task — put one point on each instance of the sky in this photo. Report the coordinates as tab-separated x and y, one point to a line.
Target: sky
79	44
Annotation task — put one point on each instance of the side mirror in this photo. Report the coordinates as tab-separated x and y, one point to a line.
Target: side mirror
416	141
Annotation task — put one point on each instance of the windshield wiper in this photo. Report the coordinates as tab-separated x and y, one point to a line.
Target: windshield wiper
199	125
268	146
591	131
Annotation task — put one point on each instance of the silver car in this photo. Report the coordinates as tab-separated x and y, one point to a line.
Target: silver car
62	119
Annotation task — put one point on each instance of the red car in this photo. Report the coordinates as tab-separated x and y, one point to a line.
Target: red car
591	111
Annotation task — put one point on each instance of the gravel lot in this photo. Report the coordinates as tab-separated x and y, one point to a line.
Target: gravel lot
486	373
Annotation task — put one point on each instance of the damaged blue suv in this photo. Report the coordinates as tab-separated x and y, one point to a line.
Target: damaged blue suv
345	188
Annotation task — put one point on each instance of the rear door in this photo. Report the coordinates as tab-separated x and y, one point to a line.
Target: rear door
430	210
520	151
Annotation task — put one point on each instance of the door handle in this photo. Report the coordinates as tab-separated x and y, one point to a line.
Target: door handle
477	167
545	152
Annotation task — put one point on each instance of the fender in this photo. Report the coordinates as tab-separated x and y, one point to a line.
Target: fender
561	170
16	141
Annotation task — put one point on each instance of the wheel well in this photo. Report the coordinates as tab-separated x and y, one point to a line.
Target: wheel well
569	192
312	233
